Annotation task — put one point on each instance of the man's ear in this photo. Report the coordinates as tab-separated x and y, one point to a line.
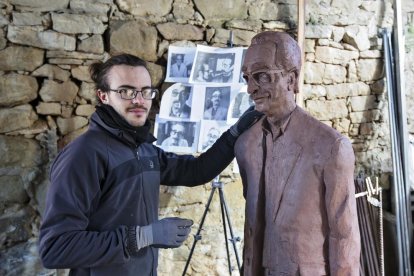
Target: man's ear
103	96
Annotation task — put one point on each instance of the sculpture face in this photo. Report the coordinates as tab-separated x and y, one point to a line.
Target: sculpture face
266	84
270	79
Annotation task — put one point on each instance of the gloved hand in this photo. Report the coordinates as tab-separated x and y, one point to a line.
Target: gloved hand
170	232
165	233
246	120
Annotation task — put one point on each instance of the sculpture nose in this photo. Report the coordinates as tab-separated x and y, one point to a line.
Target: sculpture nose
252	87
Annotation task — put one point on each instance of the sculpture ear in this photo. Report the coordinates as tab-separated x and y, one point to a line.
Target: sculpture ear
292	81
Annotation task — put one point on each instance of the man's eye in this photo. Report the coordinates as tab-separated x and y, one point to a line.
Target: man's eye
123	91
146	92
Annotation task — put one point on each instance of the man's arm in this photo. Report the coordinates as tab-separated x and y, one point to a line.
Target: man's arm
187	170
344	237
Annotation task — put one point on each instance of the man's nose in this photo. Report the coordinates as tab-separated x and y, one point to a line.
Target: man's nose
138	99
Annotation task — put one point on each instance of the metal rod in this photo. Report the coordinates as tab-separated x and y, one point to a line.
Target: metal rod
223	217
388	71
197	236
233	239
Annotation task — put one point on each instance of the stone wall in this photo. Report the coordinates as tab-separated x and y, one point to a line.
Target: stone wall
46	95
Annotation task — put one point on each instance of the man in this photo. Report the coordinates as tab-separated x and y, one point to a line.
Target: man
179	69
297	175
101	215
176	138
176	110
181	95
215	111
225	74
212	135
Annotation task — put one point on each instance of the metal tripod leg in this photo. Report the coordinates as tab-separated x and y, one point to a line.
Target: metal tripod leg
225	215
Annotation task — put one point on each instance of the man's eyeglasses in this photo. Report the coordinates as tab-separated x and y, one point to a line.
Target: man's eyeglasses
262	77
178	132
130	93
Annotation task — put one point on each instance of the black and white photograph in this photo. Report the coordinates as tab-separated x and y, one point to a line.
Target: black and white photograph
176	136
241	79
210	131
216	104
176	101
241	103
179	64
216	65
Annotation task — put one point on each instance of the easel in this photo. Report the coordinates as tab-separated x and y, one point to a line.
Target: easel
217	185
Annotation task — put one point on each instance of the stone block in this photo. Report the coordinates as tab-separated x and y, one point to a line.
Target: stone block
42	39
93	44
318	31
16	118
85	110
87	91
145	7
12	190
362	103
49	108
133	37
67	125
17	89
314	72
4	20
77	24
370	69
19	152
183	10
81	73
365	116
357	36
15	227
327	110
240	37
334	74
222	10
313	91
264	10
90	7
157	73
343	90
52	72
173	31
40	5
335	56
19	58
53	91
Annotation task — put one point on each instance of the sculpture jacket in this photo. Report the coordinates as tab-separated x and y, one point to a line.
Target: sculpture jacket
103	182
311	226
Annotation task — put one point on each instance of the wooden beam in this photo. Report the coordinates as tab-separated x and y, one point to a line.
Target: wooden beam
301	42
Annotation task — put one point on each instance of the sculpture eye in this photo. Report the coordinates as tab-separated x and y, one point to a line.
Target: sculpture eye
262	77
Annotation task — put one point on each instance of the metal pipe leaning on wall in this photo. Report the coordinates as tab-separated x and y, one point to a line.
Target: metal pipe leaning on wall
400	190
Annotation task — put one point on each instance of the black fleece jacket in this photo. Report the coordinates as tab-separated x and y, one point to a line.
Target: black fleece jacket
103	184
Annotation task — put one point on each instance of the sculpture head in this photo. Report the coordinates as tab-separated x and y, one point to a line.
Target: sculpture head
271	68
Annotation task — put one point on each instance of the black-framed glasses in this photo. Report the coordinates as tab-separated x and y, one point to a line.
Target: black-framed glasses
263	76
147	93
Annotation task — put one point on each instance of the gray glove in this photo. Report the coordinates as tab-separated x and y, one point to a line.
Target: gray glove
246	120
164	233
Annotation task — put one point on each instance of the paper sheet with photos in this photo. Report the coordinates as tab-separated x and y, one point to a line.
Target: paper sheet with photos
207	96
